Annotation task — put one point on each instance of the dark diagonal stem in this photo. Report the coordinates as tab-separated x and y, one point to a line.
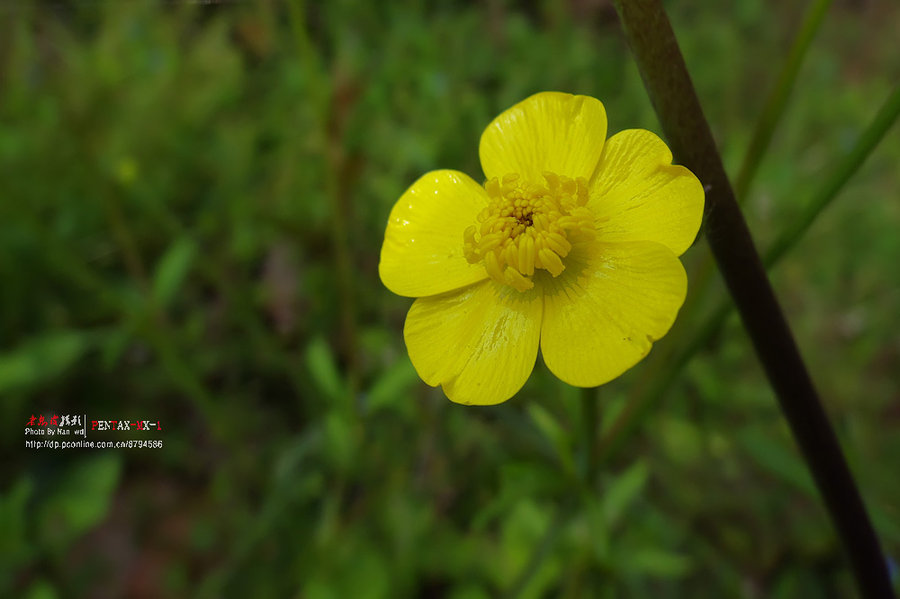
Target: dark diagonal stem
667	81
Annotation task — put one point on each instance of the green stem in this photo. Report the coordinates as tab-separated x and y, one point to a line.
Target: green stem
777	100
870	138
590	424
541	551
125	240
332	105
343	261
673	96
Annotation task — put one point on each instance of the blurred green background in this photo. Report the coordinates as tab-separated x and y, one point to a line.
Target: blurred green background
192	206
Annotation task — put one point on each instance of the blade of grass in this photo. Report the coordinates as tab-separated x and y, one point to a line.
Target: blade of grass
885	118
777	100
333	103
672	93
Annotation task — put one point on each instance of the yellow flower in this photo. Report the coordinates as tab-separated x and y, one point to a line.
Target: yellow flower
571	244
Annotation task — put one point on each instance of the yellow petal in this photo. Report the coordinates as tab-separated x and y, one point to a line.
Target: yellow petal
424	241
549	131
643	196
480	343
604	312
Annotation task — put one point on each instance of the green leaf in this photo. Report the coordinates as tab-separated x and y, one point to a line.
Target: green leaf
391	389
598	531
657	562
172	269
81	499
340	443
681	440
16	548
770	453
469	590
288	462
519	479
323	369
41	589
622	491
554	432
40	359
366	575
116	343
521	532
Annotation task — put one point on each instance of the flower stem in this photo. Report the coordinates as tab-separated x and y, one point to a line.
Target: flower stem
669	85
590	425
541	551
332	100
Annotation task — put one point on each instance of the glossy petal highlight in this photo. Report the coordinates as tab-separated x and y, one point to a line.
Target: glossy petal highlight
602	317
638	195
423	244
479	343
549	131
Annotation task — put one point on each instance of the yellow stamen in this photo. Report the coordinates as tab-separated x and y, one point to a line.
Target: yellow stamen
528	226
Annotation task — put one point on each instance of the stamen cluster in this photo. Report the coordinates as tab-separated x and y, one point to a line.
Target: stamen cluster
527	226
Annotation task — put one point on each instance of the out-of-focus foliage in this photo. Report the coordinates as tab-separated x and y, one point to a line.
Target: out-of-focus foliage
192	204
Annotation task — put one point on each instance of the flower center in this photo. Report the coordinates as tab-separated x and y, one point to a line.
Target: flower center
527	226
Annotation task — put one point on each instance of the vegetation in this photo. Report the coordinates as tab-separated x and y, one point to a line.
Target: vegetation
193	202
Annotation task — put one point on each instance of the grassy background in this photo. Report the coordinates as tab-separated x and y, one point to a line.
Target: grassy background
192	206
